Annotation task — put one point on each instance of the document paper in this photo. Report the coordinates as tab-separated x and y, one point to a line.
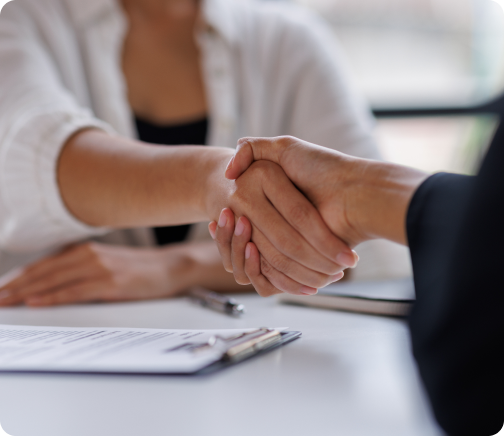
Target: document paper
115	350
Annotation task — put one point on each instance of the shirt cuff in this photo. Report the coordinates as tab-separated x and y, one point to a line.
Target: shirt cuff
35	216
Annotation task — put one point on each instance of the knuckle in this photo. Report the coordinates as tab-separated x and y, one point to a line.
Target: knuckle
278	262
285	140
261	169
300	215
290	245
267	267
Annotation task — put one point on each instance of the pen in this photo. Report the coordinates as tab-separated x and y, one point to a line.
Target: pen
217	301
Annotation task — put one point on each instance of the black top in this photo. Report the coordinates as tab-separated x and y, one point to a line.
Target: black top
455	228
193	133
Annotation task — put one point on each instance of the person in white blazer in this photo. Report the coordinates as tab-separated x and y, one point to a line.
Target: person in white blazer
67	66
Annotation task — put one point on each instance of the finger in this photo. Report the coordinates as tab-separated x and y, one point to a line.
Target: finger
212	228
51	283
282	282
34	272
249	150
77	293
242	235
223	237
302	216
62	278
9	277
253	270
6	280
289	267
8	299
242	159
338	277
264	215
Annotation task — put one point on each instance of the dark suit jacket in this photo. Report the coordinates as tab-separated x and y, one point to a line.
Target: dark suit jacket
455	228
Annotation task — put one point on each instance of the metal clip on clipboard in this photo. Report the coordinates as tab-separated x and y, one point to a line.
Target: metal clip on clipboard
239	347
250	343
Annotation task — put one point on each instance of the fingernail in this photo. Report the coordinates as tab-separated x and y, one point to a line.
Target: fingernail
222	219
212	232
306	290
230	164
239	227
357	258
337	277
346	259
247	251
5	294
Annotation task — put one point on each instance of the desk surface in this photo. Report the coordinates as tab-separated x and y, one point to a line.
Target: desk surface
348	375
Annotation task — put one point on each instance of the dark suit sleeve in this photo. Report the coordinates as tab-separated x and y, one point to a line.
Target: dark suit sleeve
455	229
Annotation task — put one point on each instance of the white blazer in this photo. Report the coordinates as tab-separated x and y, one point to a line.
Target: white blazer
269	69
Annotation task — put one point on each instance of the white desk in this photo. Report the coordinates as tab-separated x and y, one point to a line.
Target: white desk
348	375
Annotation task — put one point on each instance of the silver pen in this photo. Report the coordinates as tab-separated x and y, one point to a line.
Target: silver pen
216	301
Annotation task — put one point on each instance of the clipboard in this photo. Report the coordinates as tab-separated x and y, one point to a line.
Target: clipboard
67	350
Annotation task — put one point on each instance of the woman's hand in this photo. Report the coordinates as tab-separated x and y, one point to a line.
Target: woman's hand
298	251
99	272
245	261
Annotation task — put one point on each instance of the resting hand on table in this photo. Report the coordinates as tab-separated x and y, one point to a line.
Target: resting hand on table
358	199
99	272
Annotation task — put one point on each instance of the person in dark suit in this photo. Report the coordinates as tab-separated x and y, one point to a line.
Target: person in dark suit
454	226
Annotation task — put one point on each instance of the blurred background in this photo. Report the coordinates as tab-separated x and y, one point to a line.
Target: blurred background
424	54
432	56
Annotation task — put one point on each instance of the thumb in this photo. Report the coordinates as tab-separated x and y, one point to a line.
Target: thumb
250	150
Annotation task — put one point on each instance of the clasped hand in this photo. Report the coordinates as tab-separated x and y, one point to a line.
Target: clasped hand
306	218
338	202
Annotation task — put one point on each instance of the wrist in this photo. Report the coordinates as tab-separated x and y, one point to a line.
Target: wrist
180	267
216	188
380	199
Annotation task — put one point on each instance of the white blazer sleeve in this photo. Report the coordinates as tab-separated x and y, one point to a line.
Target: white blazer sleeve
37	116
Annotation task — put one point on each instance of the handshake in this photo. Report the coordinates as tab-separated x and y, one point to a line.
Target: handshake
287	216
307	207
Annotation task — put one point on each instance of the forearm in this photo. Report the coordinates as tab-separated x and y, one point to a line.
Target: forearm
202	266
116	182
